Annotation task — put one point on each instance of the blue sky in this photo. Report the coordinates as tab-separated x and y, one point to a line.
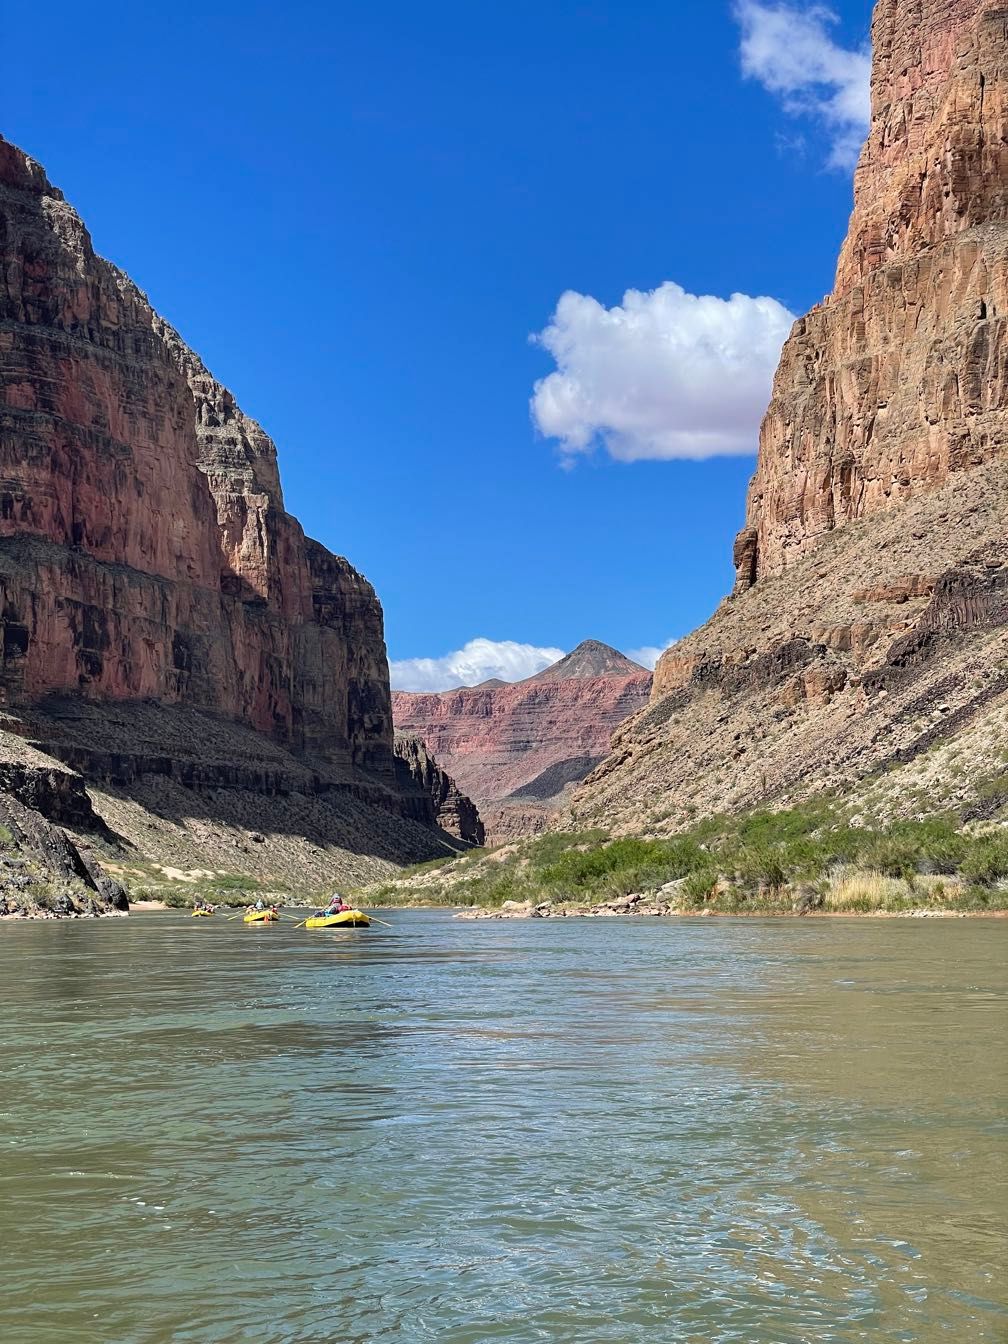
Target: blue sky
360	214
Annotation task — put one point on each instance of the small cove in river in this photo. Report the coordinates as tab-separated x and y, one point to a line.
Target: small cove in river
752	1131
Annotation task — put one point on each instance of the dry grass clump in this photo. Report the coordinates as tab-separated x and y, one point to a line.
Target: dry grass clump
868	891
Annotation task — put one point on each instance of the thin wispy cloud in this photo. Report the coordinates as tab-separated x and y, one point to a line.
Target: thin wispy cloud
478	660
664	374
790	49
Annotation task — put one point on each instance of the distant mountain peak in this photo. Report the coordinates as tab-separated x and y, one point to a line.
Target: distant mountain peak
590	659
519	747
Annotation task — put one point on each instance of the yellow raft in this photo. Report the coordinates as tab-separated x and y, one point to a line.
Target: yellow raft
196	914
260	917
354	919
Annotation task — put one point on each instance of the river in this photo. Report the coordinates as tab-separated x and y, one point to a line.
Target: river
708	1130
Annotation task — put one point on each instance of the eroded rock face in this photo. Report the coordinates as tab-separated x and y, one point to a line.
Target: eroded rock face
864	652
515	748
144	547
452	811
899	379
43	872
936	160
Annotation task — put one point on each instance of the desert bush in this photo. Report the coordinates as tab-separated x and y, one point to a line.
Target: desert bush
987	860
225	882
698	888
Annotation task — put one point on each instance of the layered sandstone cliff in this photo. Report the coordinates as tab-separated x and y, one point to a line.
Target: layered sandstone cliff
899	379
869	630
146	557
516	748
147	551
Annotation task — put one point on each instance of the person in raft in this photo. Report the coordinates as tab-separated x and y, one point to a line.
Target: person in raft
336	906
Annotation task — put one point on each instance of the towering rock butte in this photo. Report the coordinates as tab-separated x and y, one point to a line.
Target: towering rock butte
870	609
899	378
145	553
517	747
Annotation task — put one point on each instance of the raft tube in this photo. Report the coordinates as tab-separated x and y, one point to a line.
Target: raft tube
353	919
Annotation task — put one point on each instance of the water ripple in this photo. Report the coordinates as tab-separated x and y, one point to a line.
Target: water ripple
734	1132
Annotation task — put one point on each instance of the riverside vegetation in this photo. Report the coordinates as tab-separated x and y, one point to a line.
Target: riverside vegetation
817	856
179	890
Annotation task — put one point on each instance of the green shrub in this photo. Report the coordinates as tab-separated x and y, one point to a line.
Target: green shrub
619	867
431	865
987	861
173	898
235	882
763	829
547	848
752	862
762	867
995	788
698	888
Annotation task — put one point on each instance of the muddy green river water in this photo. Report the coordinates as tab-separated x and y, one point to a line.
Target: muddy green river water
709	1130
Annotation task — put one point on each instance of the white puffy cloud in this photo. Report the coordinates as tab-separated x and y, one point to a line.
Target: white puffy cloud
790	50
648	654
665	374
478	660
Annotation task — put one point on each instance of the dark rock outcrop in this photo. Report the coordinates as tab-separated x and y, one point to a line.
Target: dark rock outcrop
43	872
451	810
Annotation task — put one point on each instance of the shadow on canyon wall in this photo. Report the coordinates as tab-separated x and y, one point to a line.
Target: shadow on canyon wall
149	768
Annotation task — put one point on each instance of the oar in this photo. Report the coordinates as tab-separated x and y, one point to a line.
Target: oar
304	921
375	920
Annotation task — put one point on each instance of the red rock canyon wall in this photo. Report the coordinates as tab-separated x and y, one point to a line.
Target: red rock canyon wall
144	548
900	377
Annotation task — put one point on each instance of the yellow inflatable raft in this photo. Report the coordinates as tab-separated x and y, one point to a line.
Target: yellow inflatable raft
197	914
261	917
354	919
